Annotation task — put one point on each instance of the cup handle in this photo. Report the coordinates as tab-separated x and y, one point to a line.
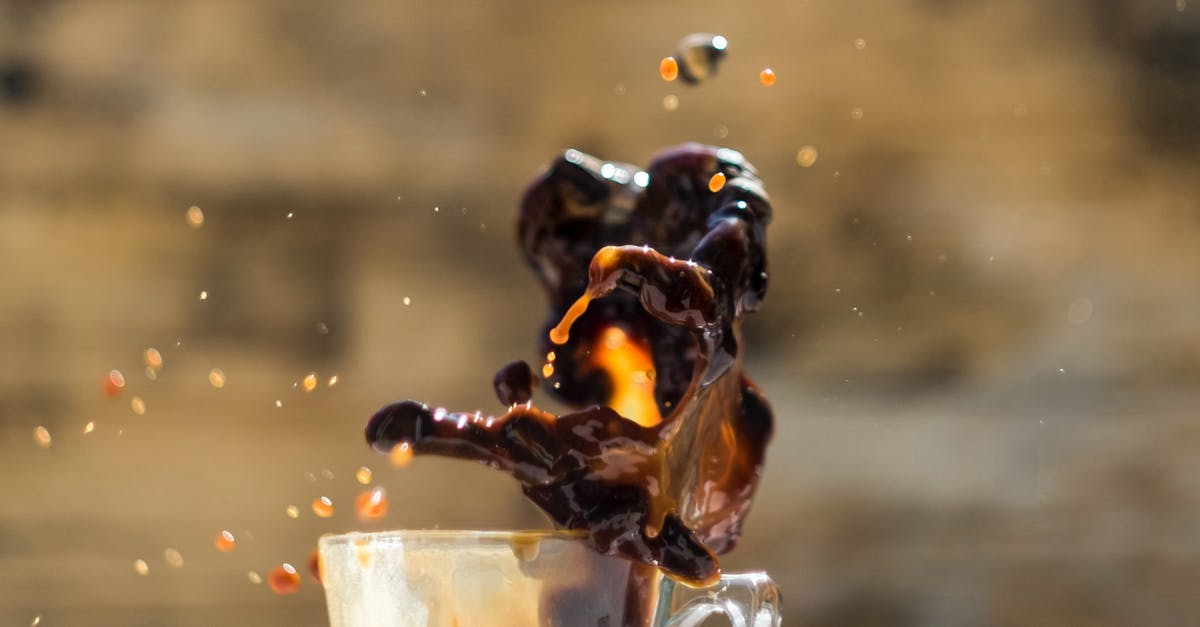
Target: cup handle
744	599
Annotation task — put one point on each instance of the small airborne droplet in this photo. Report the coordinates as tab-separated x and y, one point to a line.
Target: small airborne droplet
717	182
225	542
767	77
363	475
254	577
860	43
407	301
114	384
310	382
547	370
670	102
195	217
203	294
284	579
292	511
401	455
316	569
323	507
216	378
698	55
89	427
173	558
668	69
371	504
806	156
137	405
141	567
37	620
153	358
333	380
278	403
41	436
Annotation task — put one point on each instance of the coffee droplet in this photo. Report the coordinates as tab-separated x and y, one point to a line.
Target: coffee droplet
316	568
141	567
284	579
225	541
41	436
113	384
401	455
323	507
371	504
806	156
195	217
216	378
767	77
363	475
547	370
668	69
137	405
254	577
89	427
153	358
310	382
292	511
173	558
717	182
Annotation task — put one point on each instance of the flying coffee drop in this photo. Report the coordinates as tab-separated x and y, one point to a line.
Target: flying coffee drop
284	579
698	56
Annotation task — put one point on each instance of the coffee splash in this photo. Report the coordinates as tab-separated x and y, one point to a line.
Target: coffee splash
648	274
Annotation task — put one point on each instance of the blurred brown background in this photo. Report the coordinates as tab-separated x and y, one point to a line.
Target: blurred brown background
981	338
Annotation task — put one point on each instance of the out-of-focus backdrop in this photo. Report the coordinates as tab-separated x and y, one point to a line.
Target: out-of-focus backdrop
981	339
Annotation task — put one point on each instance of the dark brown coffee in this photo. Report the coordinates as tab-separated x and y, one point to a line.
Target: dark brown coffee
648	274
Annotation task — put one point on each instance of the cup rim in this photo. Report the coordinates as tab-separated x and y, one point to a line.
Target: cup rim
465	536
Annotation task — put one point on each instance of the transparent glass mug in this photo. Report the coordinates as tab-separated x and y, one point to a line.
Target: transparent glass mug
519	579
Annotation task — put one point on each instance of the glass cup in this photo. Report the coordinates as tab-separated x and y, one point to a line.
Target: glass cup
517	579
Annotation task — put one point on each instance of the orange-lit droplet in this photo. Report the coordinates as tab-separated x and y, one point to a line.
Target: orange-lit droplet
195	217
216	378
284	579
806	156
316	569
323	507
141	567
310	382
153	358
717	182
371	504
668	69
363	475
401	455
41	436
225	542
766	77
113	384
547	370
137	405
